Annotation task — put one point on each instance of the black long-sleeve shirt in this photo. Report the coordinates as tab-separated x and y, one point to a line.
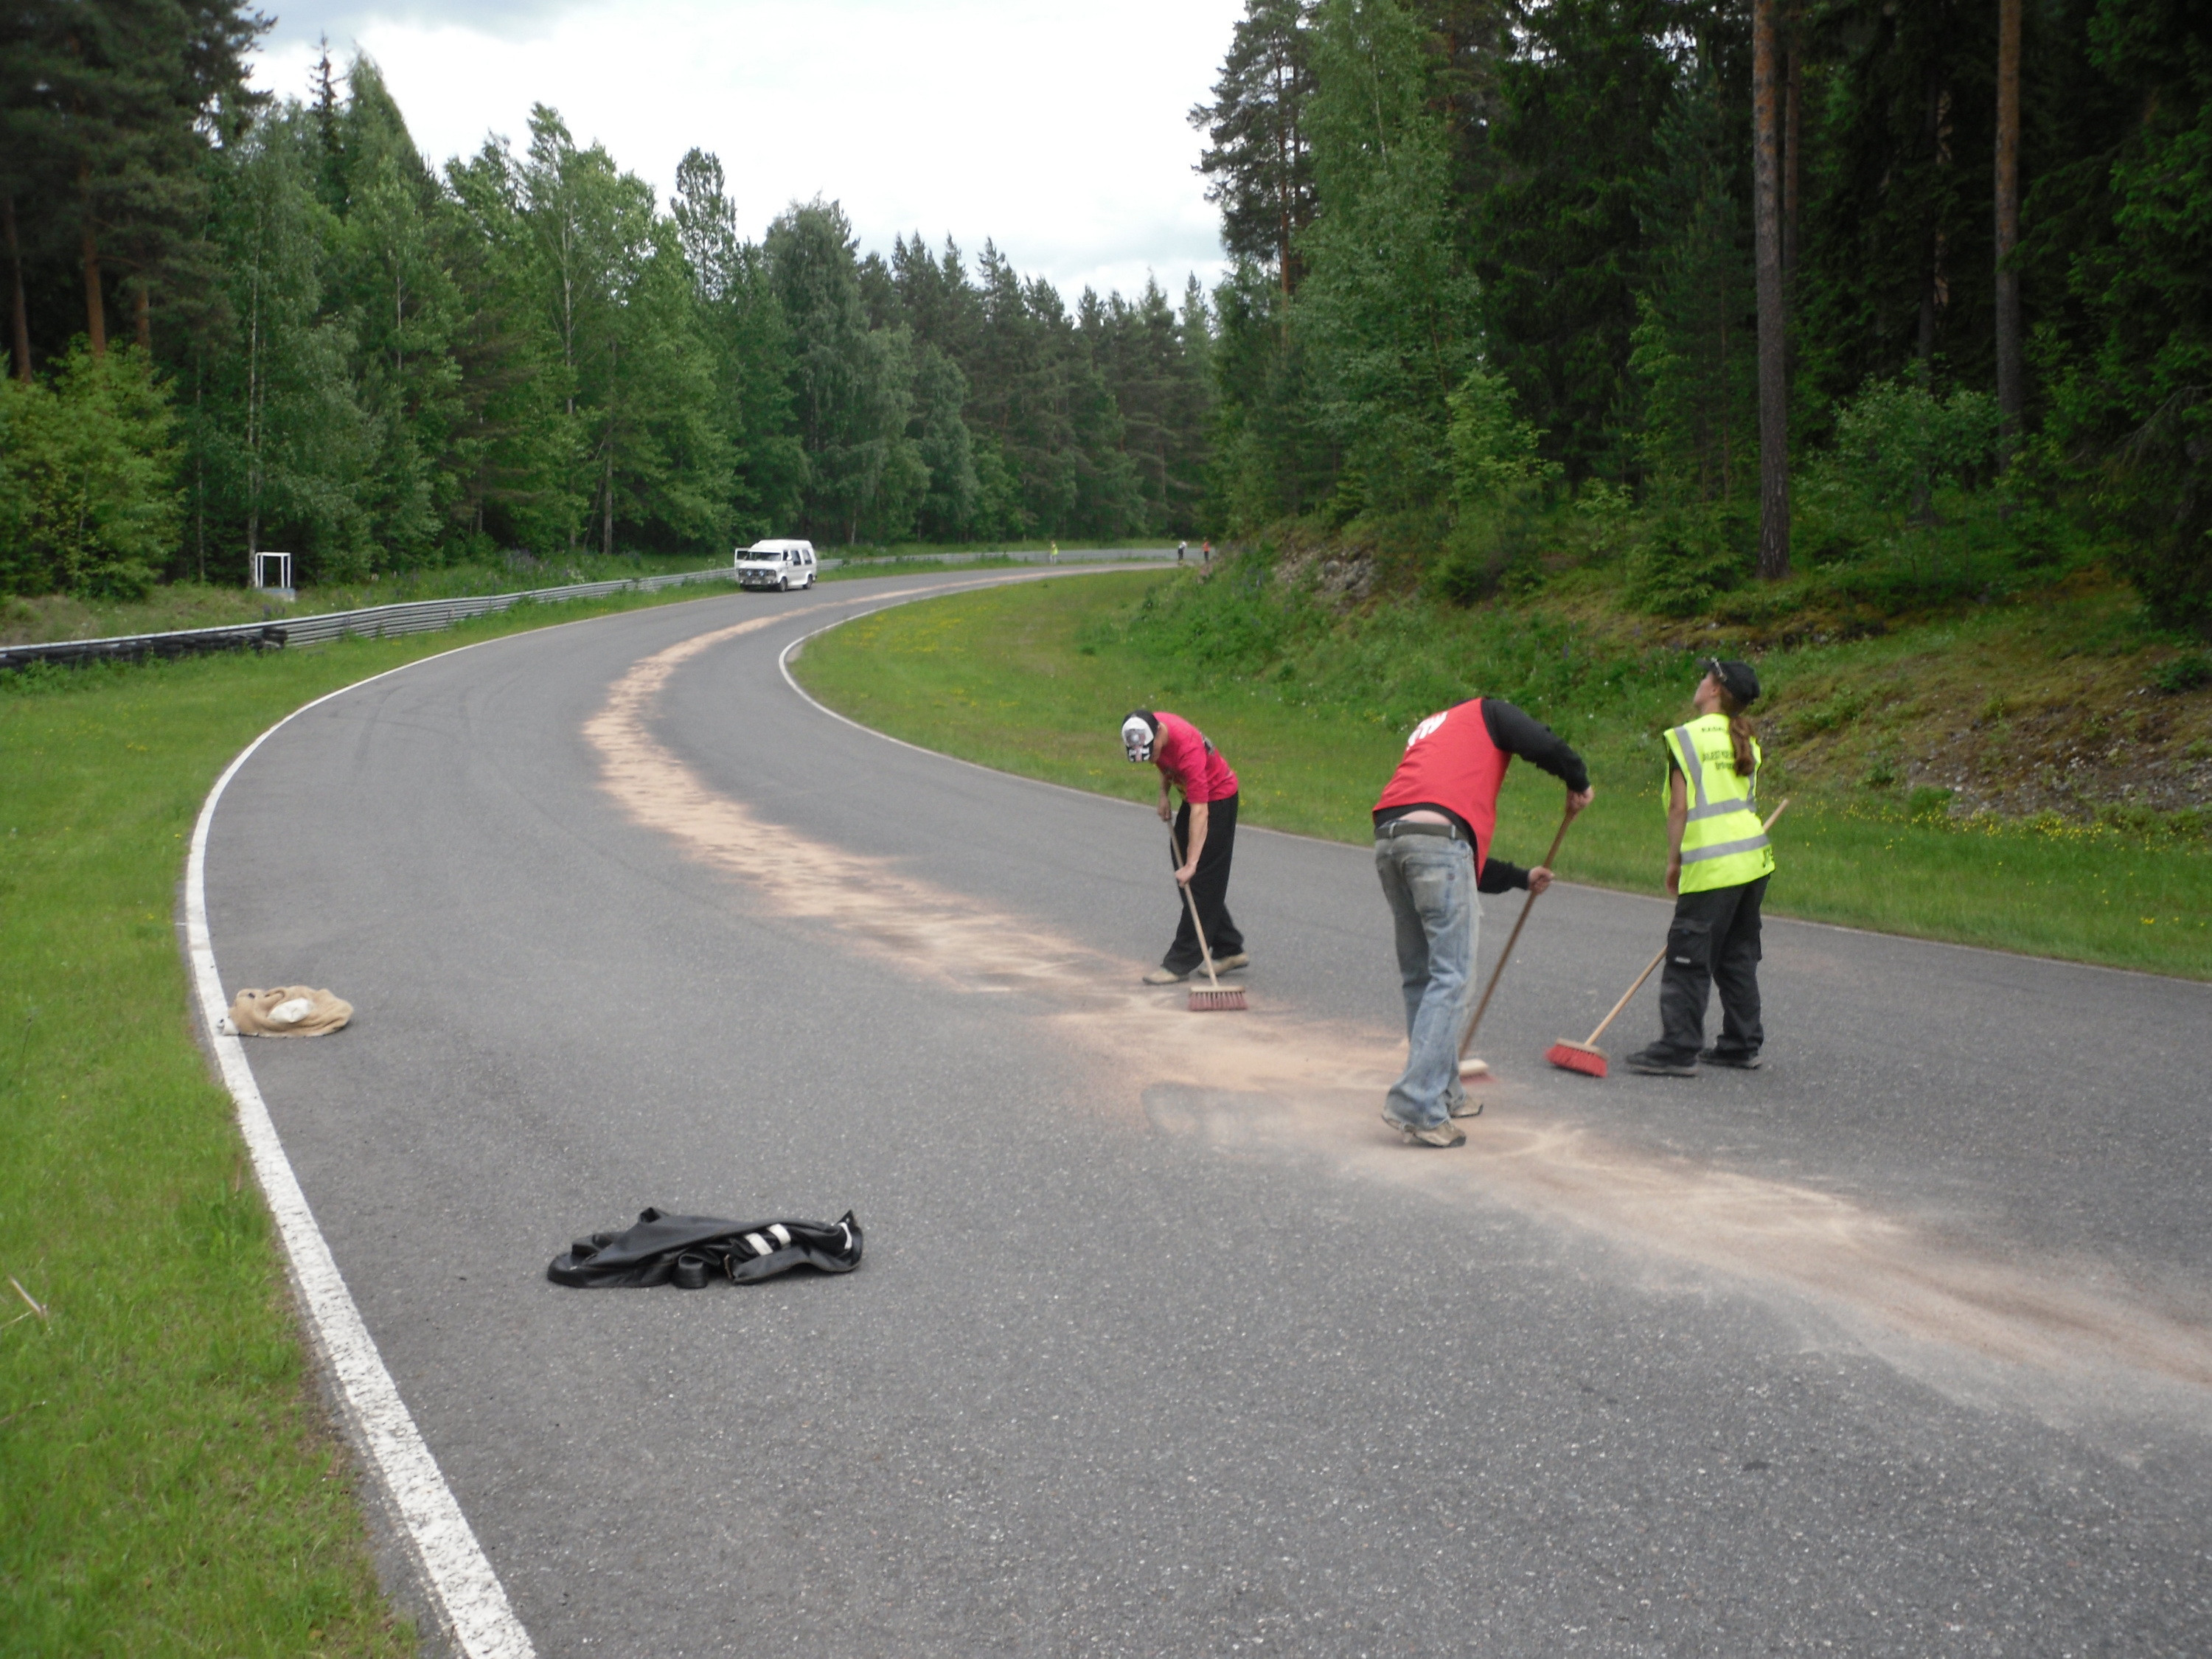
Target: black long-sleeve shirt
1499	877
1534	742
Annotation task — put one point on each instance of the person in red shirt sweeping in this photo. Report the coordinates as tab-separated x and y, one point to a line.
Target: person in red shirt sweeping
1205	829
1432	828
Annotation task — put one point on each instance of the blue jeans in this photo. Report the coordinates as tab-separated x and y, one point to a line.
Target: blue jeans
1430	882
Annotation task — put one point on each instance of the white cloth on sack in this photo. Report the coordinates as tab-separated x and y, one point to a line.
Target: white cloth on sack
286	1010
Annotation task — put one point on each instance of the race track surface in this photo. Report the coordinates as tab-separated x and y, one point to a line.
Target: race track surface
1163	1345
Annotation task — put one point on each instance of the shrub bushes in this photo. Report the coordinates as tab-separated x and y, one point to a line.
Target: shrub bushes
87	467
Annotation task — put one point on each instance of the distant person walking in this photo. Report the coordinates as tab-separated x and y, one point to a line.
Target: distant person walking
1205	831
1182	548
1205	552
1432	829
1053	558
1718	863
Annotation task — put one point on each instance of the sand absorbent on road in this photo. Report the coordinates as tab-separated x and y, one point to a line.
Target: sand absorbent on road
2065	1340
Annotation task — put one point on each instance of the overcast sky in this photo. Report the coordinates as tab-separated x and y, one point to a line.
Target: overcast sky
1058	130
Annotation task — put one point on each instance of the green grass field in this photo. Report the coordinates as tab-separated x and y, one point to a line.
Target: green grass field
168	1480
1026	678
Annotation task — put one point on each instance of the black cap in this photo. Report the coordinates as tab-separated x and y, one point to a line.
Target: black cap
1738	679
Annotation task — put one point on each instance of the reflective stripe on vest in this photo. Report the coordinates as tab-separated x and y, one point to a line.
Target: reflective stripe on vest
1723	844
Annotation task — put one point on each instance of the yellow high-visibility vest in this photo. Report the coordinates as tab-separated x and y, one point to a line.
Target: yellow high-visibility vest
1723	845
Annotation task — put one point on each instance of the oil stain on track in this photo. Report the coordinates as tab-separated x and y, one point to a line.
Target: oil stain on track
2066	1340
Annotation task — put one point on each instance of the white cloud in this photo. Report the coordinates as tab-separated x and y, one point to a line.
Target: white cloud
1059	130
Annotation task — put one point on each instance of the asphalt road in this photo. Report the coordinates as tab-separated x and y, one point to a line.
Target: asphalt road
1163	1345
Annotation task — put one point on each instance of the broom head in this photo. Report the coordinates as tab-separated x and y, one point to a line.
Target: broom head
1207	1000
1576	1057
1472	1070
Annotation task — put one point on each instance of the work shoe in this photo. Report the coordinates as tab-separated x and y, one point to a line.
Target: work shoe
1167	975
1744	1059
1223	964
1446	1134
1656	1062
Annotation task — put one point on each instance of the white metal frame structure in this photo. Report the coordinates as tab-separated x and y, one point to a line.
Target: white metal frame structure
283	582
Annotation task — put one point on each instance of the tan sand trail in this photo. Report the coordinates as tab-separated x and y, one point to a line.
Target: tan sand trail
1269	1082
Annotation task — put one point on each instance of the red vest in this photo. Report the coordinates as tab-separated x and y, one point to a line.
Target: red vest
1450	761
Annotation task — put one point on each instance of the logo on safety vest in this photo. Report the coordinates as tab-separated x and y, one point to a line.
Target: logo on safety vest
1425	728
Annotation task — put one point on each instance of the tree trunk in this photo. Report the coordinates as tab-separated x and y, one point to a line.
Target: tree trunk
199	466
607	536
20	335
1935	295
1773	369
145	306
95	305
2011	367
254	409
1792	134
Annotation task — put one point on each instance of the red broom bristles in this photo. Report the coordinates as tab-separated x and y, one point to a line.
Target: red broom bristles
1576	1057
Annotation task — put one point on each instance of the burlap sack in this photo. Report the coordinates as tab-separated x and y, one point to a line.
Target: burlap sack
287	1010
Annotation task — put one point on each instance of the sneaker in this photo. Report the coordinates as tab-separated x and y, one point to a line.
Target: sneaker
1167	975
1656	1062
1744	1059
1446	1134
1223	964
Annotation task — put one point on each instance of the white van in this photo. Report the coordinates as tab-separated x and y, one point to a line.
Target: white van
781	565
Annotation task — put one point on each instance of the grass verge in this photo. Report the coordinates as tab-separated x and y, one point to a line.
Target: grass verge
168	1481
1034	679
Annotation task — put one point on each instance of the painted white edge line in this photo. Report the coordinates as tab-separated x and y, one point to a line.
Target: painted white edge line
453	1564
783	665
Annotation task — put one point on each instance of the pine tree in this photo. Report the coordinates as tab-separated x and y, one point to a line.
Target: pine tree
1258	160
852	384
1696	337
1388	309
744	327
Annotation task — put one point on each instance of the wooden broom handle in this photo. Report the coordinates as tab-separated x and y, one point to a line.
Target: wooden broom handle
1662	956
1624	995
1197	926
1512	939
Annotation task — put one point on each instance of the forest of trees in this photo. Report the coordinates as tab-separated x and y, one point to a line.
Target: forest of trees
238	322
1486	253
1491	244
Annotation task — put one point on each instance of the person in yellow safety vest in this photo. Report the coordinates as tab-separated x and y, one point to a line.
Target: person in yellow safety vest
1718	863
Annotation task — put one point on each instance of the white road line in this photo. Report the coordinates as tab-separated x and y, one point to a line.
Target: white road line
469	1594
470	1598
783	667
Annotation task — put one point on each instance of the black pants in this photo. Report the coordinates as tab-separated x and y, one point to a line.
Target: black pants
1209	886
1714	940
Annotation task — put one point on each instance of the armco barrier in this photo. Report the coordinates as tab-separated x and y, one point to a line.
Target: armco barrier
415	616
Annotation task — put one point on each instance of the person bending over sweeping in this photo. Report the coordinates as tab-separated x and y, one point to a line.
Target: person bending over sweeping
1205	830
1432	832
1718	863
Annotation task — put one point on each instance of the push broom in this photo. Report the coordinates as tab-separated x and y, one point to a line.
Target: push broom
1475	1069
1219	998
1587	1057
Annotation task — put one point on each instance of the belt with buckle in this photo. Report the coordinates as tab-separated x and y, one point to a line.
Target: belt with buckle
1397	827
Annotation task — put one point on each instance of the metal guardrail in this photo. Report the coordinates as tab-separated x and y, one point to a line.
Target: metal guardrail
376	621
